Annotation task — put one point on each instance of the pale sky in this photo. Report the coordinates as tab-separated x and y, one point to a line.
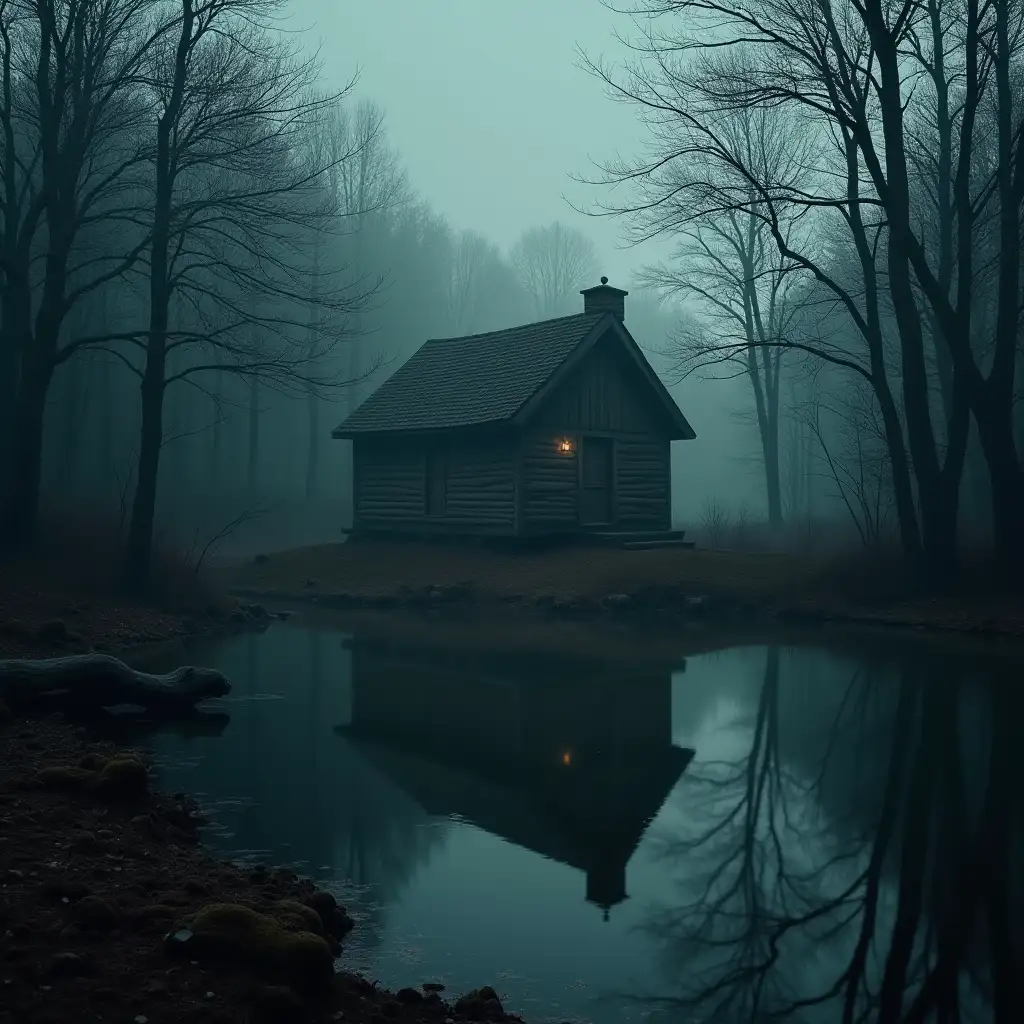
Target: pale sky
487	106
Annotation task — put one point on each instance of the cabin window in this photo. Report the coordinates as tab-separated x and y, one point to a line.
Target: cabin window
436	487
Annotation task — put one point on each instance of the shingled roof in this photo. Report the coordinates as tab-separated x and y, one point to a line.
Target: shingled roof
470	381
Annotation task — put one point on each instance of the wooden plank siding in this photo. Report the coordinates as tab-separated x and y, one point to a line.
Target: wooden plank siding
604	397
550	484
605	394
391	485
643	483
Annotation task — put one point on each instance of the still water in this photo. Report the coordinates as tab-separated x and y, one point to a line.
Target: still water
771	831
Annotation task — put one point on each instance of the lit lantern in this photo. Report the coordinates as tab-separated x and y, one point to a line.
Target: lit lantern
567	758
565	446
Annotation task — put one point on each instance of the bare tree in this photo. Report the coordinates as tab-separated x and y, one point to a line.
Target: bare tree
553	263
70	155
924	100
370	182
472	255
727	262
851	450
235	202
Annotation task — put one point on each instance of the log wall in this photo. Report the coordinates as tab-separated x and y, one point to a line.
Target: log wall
550	484
390	485
643	483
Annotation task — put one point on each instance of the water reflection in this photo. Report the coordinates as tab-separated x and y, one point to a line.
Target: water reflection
858	858
572	764
843	845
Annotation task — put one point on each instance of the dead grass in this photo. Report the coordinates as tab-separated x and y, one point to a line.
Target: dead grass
861	585
373	568
85	555
64	595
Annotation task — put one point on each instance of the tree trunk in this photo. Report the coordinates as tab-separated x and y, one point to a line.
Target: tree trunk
217	432
313	459
254	434
21	511
312	401
139	553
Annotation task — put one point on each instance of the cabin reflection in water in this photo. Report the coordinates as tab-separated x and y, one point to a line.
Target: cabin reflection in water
567	758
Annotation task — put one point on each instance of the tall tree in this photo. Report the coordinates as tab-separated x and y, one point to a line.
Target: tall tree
727	262
71	126
553	263
819	62
233	203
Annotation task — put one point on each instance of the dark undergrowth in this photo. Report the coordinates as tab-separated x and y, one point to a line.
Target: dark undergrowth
85	554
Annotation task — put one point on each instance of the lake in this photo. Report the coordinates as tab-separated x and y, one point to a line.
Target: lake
772	830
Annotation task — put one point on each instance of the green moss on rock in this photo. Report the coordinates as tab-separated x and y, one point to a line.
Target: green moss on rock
232	933
297	917
65	777
123	776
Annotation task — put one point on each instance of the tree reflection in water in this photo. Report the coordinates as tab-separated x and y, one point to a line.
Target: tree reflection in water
814	887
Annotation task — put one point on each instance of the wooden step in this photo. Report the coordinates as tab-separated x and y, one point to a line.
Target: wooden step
670	542
629	538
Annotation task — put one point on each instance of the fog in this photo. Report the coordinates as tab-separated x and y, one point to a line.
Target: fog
259	241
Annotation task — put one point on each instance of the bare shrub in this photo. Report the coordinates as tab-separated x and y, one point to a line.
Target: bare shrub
716	521
741	530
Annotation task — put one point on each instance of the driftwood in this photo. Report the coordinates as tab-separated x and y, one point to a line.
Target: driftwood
83	681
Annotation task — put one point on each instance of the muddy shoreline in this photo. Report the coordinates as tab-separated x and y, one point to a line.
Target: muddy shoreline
96	880
95	877
661	605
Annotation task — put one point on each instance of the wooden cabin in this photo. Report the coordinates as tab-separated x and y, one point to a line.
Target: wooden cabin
554	427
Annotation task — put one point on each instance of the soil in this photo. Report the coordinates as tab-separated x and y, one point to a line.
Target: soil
93	880
45	617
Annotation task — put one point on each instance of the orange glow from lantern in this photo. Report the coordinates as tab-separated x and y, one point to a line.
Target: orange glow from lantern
567	758
565	445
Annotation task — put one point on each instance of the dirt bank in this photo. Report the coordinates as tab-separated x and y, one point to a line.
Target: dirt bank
110	910
585	582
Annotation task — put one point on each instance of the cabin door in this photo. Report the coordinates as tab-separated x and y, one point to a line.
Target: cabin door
596	481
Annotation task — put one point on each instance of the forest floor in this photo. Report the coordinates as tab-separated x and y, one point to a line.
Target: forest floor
576	581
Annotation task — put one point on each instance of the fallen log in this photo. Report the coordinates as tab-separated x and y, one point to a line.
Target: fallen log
84	681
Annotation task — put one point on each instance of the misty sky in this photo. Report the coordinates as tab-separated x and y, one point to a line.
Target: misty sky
486	103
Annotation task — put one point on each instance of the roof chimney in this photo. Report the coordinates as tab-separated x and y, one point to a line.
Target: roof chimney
603	298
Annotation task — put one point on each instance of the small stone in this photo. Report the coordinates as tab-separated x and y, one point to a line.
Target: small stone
177	944
94	913
408	995
55	631
69	965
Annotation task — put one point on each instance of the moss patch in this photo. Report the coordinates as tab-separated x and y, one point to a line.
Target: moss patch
235	934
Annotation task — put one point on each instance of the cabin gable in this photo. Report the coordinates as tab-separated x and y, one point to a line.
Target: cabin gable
604	392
